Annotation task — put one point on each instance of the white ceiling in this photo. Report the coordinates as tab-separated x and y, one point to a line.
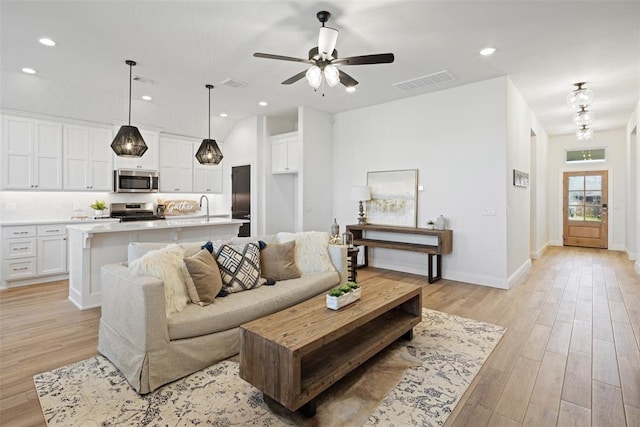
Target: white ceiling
543	46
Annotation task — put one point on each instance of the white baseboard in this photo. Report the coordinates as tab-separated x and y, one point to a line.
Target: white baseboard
526	266
617	248
555	243
637	266
630	255
537	254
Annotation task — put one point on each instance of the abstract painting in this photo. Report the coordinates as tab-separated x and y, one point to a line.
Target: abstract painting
394	197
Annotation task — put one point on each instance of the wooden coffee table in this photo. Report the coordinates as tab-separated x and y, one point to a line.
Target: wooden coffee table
295	354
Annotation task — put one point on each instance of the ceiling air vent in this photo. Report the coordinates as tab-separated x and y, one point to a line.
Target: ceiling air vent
424	81
144	80
233	83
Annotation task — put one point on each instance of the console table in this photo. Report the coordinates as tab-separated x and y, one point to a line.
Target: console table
444	244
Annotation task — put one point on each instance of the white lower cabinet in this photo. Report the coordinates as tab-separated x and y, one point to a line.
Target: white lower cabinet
33	251
52	249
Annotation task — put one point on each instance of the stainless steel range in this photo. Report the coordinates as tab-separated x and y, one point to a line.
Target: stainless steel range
134	212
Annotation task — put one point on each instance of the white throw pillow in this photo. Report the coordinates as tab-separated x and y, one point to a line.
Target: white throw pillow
167	265
312	250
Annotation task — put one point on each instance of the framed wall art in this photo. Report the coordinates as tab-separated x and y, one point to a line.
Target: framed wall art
520	179
394	197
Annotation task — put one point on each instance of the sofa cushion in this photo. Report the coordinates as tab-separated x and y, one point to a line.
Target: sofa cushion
204	280
238	308
239	266
278	261
312	253
166	264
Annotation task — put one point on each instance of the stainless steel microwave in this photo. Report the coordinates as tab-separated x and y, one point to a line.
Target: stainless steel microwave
135	181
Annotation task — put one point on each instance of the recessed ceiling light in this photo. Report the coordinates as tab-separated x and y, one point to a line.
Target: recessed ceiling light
29	70
263	103
147	97
224	115
487	51
47	41
351	89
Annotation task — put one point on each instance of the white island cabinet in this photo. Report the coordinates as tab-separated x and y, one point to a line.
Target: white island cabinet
92	246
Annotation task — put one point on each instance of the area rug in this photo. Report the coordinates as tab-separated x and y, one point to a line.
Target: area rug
417	382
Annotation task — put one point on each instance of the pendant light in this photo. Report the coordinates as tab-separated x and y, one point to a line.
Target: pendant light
580	97
209	153
128	142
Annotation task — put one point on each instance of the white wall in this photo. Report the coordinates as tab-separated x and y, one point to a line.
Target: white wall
615	164
280	190
315	178
457	140
525	204
632	149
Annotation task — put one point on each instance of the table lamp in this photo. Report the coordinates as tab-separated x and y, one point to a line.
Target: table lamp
360	193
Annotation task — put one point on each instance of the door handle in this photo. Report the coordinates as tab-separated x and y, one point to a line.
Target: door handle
248	216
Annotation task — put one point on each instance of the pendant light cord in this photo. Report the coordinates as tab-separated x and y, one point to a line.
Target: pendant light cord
130	77
209	112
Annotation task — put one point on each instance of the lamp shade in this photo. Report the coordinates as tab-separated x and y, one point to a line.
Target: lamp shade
331	75
128	142
208	153
583	117
314	76
360	193
581	97
584	134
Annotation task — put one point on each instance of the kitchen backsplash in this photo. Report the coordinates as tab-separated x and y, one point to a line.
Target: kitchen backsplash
43	205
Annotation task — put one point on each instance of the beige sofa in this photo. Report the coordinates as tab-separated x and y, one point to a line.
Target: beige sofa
151	349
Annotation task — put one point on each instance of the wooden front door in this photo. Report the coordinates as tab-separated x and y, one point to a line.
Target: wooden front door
585	209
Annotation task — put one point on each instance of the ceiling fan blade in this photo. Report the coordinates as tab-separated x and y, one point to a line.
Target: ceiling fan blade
379	58
346	79
295	78
280	57
327	39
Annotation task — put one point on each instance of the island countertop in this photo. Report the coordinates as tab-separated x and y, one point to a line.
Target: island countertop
93	245
149	225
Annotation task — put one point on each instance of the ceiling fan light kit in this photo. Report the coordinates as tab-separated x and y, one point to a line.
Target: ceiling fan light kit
323	60
128	141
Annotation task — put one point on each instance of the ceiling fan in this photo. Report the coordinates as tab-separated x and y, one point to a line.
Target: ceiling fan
324	58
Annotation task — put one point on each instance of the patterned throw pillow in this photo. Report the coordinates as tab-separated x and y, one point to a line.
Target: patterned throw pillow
239	266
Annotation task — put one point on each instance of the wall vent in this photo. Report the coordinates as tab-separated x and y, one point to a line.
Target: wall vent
233	83
424	81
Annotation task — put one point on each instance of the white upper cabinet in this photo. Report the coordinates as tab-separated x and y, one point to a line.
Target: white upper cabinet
285	153
87	158
32	154
176	165
149	160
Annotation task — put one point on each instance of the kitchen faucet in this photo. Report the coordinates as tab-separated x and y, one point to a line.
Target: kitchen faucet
207	199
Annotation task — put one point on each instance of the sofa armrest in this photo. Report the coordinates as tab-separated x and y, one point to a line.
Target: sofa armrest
338	254
133	307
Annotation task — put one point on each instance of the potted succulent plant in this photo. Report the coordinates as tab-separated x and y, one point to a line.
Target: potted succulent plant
98	207
430	225
343	295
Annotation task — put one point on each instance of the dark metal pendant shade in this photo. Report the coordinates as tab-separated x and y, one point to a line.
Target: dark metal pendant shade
209	153
128	142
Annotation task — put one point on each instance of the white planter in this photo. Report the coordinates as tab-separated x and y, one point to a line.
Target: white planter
98	212
335	303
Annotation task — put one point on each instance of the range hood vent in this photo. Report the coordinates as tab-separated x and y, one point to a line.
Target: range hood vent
440	77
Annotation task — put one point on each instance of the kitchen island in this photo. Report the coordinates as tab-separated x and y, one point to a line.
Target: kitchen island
93	245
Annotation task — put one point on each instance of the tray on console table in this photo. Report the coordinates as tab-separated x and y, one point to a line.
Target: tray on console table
443	245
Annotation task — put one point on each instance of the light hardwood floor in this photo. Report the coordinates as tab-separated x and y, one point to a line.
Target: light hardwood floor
570	357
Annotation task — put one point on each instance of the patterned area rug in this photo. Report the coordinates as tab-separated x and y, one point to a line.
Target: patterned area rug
416	382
